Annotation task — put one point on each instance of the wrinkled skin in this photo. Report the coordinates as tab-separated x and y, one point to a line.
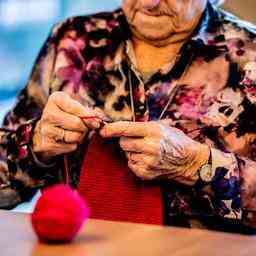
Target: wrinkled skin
62	113
148	19
156	150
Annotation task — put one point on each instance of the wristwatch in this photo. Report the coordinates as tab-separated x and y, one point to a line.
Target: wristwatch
205	174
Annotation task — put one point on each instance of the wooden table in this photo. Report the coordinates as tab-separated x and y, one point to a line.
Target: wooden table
104	238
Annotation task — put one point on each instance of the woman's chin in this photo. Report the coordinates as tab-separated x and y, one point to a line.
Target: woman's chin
151	34
152	28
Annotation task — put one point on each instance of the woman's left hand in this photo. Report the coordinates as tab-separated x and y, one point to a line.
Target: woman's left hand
156	150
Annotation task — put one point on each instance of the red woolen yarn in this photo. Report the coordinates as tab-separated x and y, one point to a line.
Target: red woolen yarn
59	214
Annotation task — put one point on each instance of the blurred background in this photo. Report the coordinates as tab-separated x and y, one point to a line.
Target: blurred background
25	24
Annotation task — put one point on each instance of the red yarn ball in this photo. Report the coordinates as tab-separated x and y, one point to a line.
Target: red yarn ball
59	214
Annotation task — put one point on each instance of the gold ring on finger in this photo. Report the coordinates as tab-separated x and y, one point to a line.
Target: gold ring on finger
61	138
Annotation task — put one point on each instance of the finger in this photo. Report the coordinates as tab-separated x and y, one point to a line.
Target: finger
73	107
56	134
101	114
148	161
129	129
91	120
67	104
140	171
54	149
131	156
136	157
71	137
64	120
140	145
49	148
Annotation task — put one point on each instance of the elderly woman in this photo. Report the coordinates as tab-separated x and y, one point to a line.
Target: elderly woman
177	80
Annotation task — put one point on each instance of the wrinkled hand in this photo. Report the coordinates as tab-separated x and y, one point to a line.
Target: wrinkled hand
61	129
156	150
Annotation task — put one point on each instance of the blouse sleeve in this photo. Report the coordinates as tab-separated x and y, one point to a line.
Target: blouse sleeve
20	175
234	181
233	186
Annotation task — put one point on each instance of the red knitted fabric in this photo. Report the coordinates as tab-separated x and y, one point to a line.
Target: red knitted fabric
112	191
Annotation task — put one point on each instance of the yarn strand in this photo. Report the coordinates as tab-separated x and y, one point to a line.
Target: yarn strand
66	162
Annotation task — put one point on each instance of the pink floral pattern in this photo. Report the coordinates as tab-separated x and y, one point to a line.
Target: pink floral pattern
210	92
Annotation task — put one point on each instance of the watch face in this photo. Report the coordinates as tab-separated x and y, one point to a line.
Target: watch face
206	173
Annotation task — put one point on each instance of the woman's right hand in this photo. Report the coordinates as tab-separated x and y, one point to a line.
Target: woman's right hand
60	128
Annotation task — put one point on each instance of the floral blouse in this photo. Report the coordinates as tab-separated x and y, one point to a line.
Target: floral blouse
211	89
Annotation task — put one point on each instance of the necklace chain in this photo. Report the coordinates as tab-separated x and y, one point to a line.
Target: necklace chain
171	96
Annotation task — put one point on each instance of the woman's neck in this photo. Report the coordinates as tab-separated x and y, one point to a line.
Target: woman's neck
151	58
